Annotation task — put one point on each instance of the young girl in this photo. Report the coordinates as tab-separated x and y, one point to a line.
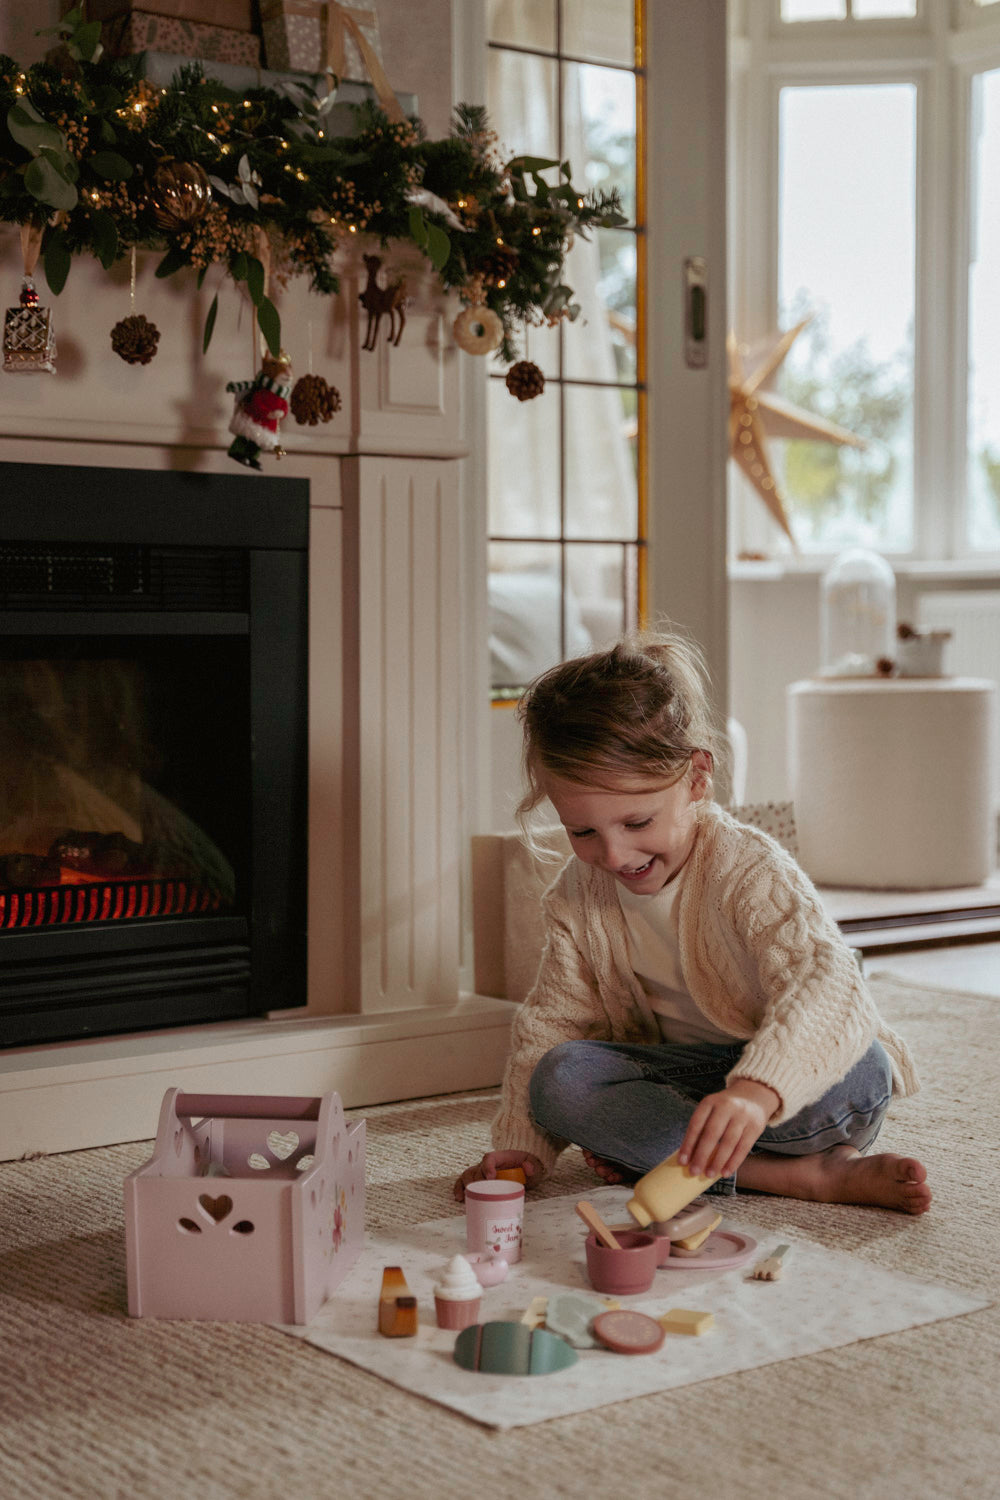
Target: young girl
693	994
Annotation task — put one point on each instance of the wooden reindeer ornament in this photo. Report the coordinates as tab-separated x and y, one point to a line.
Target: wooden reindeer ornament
379	301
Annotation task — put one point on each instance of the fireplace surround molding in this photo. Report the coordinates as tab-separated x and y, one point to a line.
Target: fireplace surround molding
392	672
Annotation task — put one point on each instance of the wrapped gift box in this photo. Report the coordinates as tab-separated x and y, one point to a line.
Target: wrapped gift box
141	30
295	36
235	15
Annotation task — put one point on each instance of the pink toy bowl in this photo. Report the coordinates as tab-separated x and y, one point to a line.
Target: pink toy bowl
251	1208
623	1272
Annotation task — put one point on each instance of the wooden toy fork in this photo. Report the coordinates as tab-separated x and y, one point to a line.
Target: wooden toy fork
770	1268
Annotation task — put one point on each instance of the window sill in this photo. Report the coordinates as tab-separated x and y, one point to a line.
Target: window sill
951	570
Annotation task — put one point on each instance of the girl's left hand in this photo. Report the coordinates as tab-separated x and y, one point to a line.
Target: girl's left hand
724	1127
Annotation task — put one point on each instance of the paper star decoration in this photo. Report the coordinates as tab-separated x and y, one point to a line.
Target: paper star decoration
755	415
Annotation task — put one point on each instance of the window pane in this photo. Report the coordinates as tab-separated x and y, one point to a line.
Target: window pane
813	10
599	129
523	463
983	485
847	255
600	582
600	30
881	10
522	23
521	102
602	271
601	491
525	604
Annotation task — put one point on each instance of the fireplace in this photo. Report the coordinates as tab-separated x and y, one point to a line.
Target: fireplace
153	749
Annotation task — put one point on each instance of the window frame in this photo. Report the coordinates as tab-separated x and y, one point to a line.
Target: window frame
941	59
564	540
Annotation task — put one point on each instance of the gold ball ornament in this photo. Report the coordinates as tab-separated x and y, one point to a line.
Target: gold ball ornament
181	194
478	330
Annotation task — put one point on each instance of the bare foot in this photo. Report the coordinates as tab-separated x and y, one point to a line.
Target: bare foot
610	1171
841	1175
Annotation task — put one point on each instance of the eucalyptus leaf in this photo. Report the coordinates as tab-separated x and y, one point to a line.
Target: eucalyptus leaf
210	324
57	261
418	227
85	41
31	131
45	183
438	246
255	280
110	165
202	273
239	266
105	232
170	263
106	131
270	325
532	164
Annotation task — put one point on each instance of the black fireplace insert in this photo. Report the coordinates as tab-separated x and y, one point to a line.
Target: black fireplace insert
153	749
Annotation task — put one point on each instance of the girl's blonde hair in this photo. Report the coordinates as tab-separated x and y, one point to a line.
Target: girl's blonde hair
635	712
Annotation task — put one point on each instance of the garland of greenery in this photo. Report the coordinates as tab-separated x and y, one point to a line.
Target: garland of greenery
83	138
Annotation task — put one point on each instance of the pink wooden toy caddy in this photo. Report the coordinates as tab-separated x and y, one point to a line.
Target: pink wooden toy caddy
253	1214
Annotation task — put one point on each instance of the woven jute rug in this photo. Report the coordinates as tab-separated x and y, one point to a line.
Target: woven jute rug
95	1405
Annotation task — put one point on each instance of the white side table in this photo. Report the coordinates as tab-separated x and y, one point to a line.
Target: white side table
892	780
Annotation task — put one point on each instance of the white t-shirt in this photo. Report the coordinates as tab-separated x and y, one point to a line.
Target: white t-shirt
655	955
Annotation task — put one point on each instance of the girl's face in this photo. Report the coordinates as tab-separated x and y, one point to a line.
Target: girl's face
641	832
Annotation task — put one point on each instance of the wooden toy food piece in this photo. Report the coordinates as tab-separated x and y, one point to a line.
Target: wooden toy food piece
397	1308
693	1244
685	1320
512	1349
628	1332
770	1268
689	1221
588	1213
664	1191
571	1315
512	1174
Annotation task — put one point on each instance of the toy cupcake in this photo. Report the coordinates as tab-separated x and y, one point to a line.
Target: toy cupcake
458	1295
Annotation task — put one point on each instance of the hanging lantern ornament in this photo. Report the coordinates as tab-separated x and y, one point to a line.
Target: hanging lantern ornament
181	194
134	339
29	342
525	380
313	400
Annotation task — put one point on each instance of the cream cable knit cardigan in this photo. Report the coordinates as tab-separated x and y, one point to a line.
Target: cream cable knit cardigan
760	956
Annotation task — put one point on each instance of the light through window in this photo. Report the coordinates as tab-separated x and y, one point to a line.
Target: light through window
847	261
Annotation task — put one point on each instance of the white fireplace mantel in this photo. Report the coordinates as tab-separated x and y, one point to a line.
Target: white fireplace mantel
392	675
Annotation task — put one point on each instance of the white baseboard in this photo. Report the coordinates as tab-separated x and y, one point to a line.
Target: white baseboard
102	1091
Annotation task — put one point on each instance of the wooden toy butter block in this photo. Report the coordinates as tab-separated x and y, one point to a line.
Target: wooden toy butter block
251	1208
686	1320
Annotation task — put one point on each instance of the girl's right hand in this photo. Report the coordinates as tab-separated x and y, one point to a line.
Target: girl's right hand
486	1170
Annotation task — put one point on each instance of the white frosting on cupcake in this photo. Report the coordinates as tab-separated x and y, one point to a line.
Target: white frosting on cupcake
458	1281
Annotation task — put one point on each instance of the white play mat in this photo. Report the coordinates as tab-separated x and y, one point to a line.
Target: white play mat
824	1299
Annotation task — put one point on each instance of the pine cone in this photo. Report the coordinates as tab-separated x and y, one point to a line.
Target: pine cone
499	265
313	400
525	380
135	339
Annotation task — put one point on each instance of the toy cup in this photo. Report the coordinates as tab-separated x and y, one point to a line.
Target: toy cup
493	1214
626	1271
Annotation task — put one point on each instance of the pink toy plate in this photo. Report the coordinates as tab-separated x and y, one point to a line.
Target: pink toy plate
723	1248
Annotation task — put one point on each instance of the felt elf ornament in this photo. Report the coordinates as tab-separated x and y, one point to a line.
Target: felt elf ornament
261	403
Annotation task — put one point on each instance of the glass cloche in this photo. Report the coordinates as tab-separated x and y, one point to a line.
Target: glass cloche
857	614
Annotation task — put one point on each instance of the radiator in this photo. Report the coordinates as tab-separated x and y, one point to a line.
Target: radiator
974	648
